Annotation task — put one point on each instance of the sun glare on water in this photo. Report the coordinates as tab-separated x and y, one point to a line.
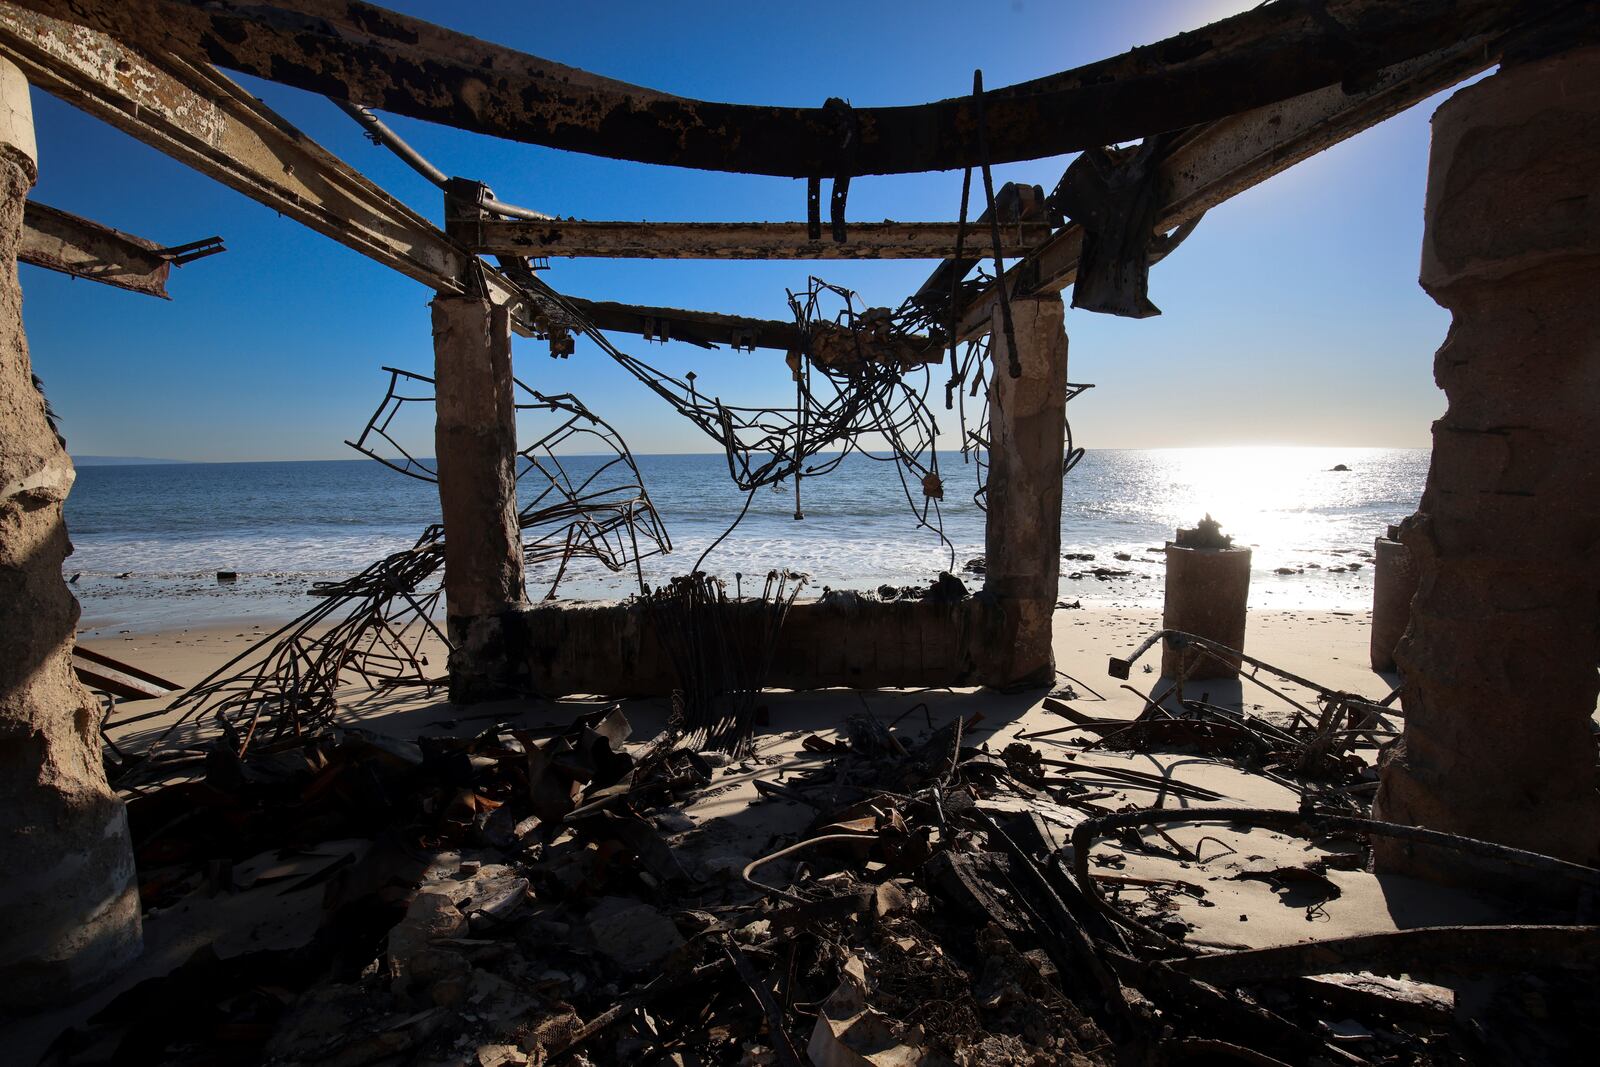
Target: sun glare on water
1282	501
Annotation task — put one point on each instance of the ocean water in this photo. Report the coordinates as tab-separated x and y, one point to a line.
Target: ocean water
149	539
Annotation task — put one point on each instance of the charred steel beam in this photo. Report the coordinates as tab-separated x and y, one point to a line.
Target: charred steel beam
708	329
1220	160
704	328
364	54
202	119
61	241
724	240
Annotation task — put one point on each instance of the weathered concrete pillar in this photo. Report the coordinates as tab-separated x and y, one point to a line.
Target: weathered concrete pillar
1394	583
1207	594
476	440
69	904
1499	660
1027	433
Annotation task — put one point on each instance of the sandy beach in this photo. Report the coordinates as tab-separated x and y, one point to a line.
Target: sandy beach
1327	646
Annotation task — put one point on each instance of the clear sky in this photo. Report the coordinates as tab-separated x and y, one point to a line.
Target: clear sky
1291	316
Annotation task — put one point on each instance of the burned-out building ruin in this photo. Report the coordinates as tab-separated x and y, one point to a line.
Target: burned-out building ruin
1493	767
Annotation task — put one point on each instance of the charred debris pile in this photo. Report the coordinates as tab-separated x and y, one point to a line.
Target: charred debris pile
559	895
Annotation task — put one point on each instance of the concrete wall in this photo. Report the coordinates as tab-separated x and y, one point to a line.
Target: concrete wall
841	640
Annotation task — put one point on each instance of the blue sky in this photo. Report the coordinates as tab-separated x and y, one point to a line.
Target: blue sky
1291	316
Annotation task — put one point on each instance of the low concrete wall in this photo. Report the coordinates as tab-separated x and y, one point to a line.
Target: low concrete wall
842	640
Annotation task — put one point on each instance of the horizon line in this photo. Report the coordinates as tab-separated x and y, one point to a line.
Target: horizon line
103	459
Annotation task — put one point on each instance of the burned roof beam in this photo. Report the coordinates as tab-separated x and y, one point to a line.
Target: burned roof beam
725	240
204	120
703	328
1216	162
1019	206
61	241
368	55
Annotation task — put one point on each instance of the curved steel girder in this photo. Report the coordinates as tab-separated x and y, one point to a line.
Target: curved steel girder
367	55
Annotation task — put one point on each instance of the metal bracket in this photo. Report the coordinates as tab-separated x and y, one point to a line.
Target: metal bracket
1112	194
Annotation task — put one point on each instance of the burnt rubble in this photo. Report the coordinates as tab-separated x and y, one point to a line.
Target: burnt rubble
911	895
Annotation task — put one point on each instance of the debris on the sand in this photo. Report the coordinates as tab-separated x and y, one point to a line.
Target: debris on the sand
523	895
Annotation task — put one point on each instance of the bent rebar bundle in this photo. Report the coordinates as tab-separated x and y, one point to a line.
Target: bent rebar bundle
722	650
372	626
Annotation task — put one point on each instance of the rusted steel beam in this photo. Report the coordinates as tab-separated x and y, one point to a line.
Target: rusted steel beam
368	55
724	240
61	241
1220	160
206	121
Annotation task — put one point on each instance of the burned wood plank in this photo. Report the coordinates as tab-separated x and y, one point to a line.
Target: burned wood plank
100	671
61	241
205	121
725	240
708	329
1214	163
368	55
703	328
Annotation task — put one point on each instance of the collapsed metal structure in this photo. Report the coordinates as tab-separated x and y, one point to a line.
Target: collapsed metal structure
1213	112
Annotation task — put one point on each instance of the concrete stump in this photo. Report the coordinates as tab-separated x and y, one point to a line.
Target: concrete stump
1499	660
69	904
476	439
1027	433
1394	583
1206	595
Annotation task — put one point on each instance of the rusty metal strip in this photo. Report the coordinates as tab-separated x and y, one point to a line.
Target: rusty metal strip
1217	162
723	240
365	54
61	241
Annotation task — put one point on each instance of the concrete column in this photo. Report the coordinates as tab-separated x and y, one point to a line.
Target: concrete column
1394	583
69	904
1027	431
1207	594
476	440
1499	660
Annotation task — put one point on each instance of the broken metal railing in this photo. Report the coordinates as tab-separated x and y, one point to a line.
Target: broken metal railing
722	651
